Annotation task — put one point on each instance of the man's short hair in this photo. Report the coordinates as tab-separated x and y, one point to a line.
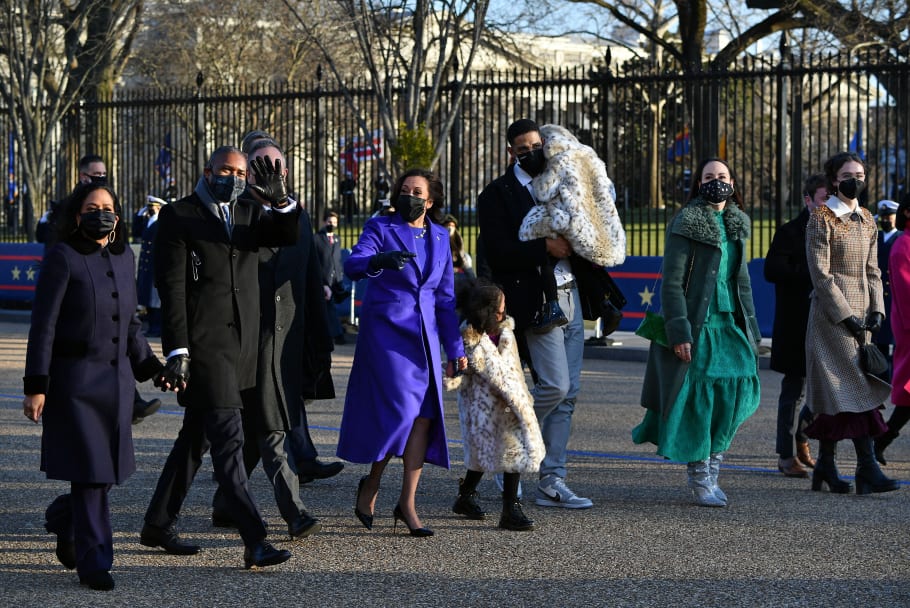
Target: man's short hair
813	183
329	214
88	159
251	138
221	153
520	127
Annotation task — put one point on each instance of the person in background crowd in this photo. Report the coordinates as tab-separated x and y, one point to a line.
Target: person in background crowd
393	405
328	251
145	227
556	356
846	305
496	411
887	235
899	272
705	384
206	269
85	353
786	267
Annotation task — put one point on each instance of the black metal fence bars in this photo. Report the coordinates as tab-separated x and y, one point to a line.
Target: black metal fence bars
774	120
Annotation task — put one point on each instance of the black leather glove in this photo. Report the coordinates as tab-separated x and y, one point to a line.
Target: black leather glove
856	327
393	260
874	321
175	375
270	183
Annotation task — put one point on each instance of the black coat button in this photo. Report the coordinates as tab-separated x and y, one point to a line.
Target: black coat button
115	318
113	362
110	273
114	294
115	339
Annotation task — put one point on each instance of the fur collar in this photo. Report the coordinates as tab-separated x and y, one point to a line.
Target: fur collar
472	337
695	221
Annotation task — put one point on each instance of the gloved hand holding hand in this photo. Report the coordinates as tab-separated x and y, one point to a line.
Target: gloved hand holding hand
270	182
874	321
175	374
392	260
856	327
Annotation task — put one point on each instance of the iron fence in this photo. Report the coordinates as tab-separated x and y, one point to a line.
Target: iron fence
774	119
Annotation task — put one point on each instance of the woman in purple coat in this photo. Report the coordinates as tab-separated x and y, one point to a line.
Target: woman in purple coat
393	405
85	352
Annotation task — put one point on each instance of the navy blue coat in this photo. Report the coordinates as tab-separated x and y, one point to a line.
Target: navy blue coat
85	353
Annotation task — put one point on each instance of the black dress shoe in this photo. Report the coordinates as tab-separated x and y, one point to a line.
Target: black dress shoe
144	409
263	554
167	539
66	552
220	519
99	580
304	525
308	470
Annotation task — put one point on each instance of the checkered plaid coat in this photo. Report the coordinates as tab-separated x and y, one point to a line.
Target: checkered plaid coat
842	254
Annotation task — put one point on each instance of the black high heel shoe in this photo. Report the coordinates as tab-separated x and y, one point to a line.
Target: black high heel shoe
366	520
419	532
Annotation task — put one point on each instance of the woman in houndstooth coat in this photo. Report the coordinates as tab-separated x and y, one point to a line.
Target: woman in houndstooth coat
846	306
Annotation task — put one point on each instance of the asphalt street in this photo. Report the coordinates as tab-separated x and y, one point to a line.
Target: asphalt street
644	543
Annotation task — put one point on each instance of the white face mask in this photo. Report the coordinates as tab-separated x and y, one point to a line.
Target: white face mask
451	230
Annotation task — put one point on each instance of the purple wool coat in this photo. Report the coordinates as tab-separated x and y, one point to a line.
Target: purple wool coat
404	318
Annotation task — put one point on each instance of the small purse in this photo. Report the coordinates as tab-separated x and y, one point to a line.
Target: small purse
872	361
652	328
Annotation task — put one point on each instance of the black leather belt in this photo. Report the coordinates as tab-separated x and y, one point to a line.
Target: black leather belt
568	285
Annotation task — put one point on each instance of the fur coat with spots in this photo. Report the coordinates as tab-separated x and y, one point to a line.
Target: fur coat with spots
576	200
498	423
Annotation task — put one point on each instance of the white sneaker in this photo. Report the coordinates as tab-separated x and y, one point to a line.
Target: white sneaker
553	492
497	477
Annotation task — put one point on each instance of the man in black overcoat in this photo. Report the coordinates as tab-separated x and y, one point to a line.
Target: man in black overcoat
206	269
787	268
328	250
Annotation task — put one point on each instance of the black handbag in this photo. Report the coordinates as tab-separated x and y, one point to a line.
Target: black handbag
339	293
599	294
872	361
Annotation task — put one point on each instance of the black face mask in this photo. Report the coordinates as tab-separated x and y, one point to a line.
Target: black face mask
886	224
532	162
715	191
98	179
329	228
410	207
851	188
97	224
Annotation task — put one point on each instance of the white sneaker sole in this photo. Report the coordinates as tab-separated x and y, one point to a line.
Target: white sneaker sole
549	502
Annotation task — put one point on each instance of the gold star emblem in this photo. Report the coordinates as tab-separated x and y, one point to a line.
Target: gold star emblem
30	273
16	273
646	296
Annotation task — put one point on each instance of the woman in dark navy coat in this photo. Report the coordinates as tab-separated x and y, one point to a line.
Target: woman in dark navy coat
85	352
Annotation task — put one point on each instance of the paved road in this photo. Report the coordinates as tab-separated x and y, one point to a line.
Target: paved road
643	543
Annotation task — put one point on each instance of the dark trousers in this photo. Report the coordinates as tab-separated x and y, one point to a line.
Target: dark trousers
791	395
300	444
224	431
84	517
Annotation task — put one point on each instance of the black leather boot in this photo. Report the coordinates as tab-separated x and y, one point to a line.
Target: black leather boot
869	478
899	418
466	503
513	518
826	470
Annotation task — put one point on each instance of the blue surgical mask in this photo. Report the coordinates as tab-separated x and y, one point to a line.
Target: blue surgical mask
227	188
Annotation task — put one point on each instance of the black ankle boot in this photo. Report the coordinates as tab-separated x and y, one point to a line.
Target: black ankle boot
466	503
549	317
513	518
826	470
869	478
899	418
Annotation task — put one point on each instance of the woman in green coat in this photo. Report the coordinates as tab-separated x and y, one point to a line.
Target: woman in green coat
704	385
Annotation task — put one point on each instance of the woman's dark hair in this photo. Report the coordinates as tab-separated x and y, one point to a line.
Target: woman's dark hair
479	301
900	217
696	180
72	207
833	165
437	193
